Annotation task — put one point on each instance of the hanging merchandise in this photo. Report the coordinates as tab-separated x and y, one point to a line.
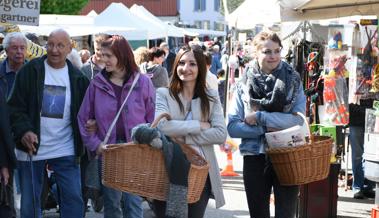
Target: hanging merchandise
335	92
336	111
313	81
365	81
375	79
356	43
375	75
369	54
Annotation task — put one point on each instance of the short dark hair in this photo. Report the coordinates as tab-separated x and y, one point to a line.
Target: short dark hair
220	73
155	53
208	58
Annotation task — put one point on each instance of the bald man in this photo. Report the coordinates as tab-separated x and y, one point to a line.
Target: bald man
44	103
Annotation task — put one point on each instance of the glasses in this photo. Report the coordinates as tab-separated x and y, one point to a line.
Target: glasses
272	52
59	46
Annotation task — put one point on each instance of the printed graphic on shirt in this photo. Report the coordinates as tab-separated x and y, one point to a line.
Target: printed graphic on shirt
54	98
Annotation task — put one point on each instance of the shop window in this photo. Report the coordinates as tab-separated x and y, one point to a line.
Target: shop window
207	25
217	5
197	24
200	5
218	26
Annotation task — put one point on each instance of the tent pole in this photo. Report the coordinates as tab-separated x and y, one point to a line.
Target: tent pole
226	89
305	30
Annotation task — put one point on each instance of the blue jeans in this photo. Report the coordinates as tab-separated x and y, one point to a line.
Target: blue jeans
67	174
357	142
132	204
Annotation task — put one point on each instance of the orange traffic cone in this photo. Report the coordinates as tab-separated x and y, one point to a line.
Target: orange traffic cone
228	171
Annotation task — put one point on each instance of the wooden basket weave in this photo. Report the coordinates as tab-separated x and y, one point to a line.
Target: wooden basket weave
140	169
302	164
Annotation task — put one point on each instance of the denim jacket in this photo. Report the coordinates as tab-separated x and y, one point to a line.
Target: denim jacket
253	136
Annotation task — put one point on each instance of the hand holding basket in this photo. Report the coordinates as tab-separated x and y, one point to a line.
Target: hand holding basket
302	164
140	169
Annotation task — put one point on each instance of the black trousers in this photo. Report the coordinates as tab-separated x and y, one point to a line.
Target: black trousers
195	210
259	179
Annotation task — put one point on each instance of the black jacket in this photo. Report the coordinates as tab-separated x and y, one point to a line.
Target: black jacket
25	101
7	156
357	112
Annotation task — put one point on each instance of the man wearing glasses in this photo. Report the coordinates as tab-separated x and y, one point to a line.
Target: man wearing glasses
47	95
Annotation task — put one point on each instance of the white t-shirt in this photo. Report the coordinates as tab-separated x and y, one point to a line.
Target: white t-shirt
56	131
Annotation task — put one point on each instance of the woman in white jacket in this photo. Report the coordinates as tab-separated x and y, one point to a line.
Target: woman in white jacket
196	119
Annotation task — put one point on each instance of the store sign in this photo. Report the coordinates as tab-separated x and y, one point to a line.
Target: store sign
366	22
25	12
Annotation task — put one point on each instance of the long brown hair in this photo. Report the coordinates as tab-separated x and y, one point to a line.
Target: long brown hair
123	52
176	84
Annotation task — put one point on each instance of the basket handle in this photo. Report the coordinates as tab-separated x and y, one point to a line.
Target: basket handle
114	146
311	136
161	116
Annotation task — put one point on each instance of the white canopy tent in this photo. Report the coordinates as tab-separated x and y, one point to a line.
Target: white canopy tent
253	12
118	15
92	13
203	32
75	25
325	9
143	13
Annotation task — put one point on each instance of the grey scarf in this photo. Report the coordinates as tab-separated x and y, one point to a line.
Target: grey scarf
275	92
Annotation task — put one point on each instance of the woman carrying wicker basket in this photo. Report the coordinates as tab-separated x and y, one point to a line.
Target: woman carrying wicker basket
196	120
266	98
104	98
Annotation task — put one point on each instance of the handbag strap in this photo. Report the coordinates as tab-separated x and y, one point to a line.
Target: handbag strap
119	111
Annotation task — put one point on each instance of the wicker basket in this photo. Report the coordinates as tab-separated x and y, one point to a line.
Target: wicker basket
302	164
140	169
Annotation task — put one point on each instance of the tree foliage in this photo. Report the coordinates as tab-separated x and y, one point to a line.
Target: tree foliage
232	5
69	7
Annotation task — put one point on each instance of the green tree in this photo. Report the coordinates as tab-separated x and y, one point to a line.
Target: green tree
69	7
232	5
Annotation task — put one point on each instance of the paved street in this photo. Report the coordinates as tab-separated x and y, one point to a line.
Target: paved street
236	206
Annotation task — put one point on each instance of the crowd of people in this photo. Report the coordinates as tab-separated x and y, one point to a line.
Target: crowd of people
56	112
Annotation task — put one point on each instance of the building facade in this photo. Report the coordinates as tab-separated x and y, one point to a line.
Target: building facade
203	14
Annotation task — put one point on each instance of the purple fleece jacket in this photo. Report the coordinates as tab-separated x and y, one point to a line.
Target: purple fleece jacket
100	103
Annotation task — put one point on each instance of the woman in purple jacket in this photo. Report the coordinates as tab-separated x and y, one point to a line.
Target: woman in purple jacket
102	101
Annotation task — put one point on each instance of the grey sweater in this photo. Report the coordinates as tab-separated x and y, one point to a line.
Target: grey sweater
157	74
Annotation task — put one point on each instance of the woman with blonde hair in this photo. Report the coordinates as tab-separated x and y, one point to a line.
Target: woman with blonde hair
265	100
